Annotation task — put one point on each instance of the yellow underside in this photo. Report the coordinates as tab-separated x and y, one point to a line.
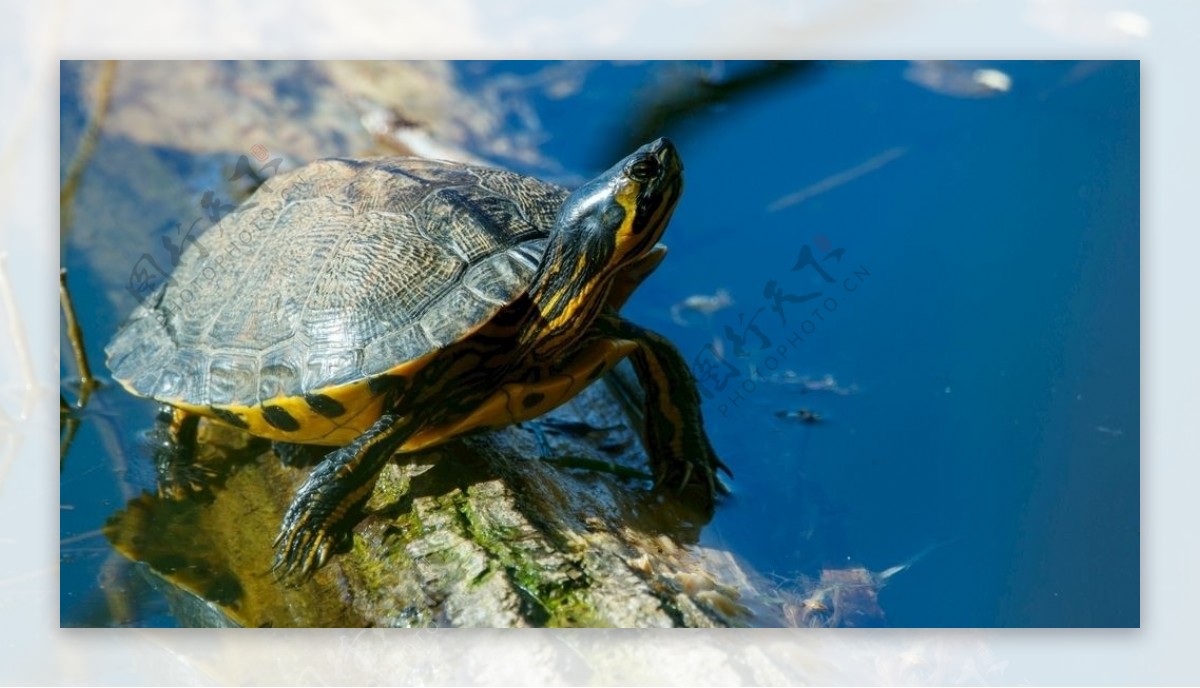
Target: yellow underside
362	406
512	403
362	409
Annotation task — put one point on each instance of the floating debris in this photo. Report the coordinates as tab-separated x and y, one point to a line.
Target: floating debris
957	79
835	180
801	415
847	597
703	304
841	598
1110	431
803	383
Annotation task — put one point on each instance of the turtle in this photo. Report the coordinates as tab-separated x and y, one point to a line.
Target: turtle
378	306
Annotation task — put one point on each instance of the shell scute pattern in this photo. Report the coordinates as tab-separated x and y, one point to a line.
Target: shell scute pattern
229	377
540	202
496	278
333	273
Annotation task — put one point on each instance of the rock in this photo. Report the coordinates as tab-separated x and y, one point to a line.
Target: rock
479	532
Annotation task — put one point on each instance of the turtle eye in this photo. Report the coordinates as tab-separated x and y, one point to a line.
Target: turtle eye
644	169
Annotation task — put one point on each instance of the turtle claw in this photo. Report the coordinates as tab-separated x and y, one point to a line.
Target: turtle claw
680	473
687	475
714	484
300	557
318	519
719	465
304	542
660	477
720	486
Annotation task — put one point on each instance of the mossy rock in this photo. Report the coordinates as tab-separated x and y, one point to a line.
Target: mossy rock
484	531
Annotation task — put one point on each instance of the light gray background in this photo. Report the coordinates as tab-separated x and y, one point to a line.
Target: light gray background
35	35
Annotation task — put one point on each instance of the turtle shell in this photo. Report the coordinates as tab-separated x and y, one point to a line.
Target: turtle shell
331	274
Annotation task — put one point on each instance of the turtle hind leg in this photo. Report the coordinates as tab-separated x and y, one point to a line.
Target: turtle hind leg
679	449
317	520
180	472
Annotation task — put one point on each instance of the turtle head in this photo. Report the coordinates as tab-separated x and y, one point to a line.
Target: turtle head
617	217
604	226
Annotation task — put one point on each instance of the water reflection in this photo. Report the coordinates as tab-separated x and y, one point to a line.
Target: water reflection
686	95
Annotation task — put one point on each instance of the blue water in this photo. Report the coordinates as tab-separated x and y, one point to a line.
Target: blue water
987	354
994	345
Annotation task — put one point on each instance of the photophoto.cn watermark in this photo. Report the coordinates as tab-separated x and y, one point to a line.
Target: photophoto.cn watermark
151	273
797	317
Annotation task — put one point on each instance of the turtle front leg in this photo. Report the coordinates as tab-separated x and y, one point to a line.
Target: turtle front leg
315	521
674	427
